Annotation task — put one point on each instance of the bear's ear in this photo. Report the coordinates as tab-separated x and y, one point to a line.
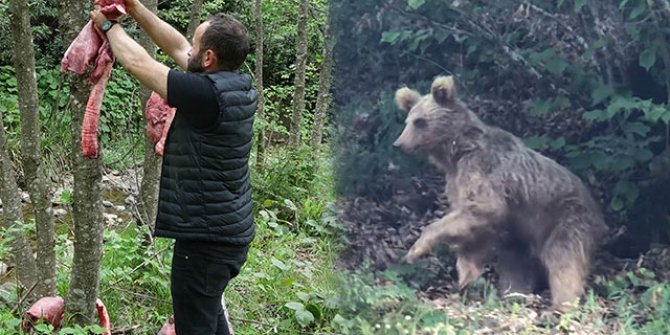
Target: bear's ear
443	89
406	98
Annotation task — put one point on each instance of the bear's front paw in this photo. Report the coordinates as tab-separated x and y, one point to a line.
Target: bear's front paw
417	250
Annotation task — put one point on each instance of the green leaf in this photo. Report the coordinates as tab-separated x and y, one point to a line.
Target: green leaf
556	66
600	160
643	155
303	296
279	264
294	305
390	36
638	10
616	204
536	142
541	107
638	128
579	4
414	4
96	329
315	310
595	115
304	317
557	143
601	93
627	190
648	58
441	36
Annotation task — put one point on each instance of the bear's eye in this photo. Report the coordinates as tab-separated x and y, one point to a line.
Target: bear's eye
420	123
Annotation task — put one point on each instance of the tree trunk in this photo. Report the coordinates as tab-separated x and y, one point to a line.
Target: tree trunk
22	254
260	109
194	18
152	162
323	99
24	63
87	207
300	64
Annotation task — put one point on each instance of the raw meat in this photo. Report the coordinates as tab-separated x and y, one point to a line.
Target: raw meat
159	117
91	47
51	309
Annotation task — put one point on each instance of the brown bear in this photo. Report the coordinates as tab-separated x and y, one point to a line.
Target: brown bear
507	201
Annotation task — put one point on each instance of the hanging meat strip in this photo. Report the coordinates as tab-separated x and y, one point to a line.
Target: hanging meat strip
91	47
159	117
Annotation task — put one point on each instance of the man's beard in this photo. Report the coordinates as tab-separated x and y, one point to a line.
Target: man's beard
195	64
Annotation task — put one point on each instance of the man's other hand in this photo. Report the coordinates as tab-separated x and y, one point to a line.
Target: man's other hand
97	16
131	4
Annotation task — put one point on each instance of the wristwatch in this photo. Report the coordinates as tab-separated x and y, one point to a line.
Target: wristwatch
107	25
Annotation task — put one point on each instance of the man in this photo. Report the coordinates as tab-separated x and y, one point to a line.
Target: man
205	191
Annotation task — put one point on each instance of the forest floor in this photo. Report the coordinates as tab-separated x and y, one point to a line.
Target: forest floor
625	295
287	285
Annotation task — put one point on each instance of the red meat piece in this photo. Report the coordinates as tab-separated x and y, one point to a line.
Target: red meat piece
159	117
50	309
91	47
103	317
168	327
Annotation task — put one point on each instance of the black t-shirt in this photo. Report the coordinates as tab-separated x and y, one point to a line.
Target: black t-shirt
194	97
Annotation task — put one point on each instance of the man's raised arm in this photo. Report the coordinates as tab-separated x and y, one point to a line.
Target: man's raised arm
171	41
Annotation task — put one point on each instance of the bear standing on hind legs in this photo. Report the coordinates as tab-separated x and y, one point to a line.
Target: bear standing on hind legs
507	200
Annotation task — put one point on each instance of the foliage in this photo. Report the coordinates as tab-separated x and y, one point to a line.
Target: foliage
364	158
287	284
118	116
635	302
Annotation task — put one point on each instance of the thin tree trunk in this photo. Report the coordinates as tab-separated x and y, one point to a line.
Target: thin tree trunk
194	18
323	99
22	254
152	162
87	207
300	65
24	63
260	109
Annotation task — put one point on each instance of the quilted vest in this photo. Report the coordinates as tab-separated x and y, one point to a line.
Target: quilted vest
205	190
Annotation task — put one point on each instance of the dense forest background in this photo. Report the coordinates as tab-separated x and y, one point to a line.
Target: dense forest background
585	82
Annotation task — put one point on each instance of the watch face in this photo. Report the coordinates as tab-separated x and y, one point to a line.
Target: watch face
106	25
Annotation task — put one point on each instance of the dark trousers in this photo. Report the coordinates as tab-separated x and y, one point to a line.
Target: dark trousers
200	273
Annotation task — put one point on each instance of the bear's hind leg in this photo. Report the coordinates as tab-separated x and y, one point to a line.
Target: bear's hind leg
519	271
566	256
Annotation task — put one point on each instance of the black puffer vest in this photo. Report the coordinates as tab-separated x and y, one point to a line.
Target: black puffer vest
205	190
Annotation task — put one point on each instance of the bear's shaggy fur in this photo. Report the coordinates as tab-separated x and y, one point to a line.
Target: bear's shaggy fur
507	201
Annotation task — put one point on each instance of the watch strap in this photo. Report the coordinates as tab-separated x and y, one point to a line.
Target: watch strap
107	25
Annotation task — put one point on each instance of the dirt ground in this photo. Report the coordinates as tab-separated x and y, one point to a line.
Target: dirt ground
380	233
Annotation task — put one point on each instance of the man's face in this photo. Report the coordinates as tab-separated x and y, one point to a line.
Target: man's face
195	55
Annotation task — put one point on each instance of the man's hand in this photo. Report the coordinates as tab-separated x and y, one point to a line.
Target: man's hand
97	16
131	4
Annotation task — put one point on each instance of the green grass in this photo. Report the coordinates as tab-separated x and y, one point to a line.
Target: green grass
635	303
287	285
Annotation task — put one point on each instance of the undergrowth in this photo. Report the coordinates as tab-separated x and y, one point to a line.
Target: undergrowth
634	302
287	285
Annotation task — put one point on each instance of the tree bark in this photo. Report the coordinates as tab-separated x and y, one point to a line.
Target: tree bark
260	109
194	18
152	162
21	253
323	98
87	206
24	63
300	65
